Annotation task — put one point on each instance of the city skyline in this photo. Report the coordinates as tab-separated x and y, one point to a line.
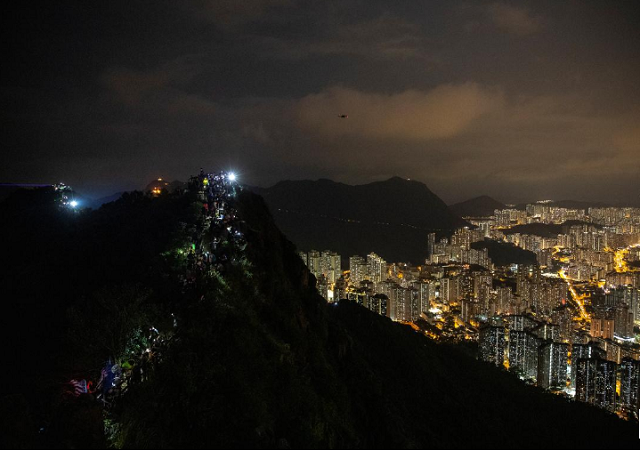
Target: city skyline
516	100
564	320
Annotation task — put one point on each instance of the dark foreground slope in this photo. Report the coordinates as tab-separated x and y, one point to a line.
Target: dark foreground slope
259	360
391	217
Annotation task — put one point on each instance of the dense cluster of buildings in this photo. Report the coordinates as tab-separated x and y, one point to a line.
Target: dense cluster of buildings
537	353
586	236
458	248
592	254
567	324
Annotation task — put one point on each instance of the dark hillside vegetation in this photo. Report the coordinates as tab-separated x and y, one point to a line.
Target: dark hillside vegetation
257	359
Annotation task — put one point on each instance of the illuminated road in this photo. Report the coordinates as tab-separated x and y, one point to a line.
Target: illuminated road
621	264
577	298
619	258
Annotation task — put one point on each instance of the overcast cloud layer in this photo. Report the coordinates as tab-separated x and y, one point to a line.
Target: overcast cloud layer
518	100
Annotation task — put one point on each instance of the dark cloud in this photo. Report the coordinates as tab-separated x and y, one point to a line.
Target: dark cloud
514	99
230	14
154	90
514	19
381	38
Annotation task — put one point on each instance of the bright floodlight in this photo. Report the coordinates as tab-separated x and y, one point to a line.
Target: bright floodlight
232	177
73	203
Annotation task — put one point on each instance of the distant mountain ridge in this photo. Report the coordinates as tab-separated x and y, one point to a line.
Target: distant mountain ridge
391	217
478	206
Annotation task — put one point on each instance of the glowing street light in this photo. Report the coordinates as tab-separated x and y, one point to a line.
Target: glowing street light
232	177
73	203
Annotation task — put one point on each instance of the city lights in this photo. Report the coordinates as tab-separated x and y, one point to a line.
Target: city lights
532	319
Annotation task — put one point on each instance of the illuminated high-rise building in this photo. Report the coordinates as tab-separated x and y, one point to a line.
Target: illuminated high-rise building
331	264
630	384
358	268
584	351
325	263
415	304
431	243
378	304
521	322
552	365
504	297
469	309
596	382
426	292
523	353
377	267
313	263
548	332
492	344
445	289
482	281
632	299
401	304
602	326
563	318
623	320
462	238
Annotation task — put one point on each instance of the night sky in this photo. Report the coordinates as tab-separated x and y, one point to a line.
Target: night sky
517	100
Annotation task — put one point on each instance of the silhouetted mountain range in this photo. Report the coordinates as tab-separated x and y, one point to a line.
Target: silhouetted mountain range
392	217
478	206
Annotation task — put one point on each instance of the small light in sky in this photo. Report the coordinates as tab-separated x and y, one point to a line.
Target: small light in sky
232	177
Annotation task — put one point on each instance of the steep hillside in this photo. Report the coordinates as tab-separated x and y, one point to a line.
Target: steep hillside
478	206
391	217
